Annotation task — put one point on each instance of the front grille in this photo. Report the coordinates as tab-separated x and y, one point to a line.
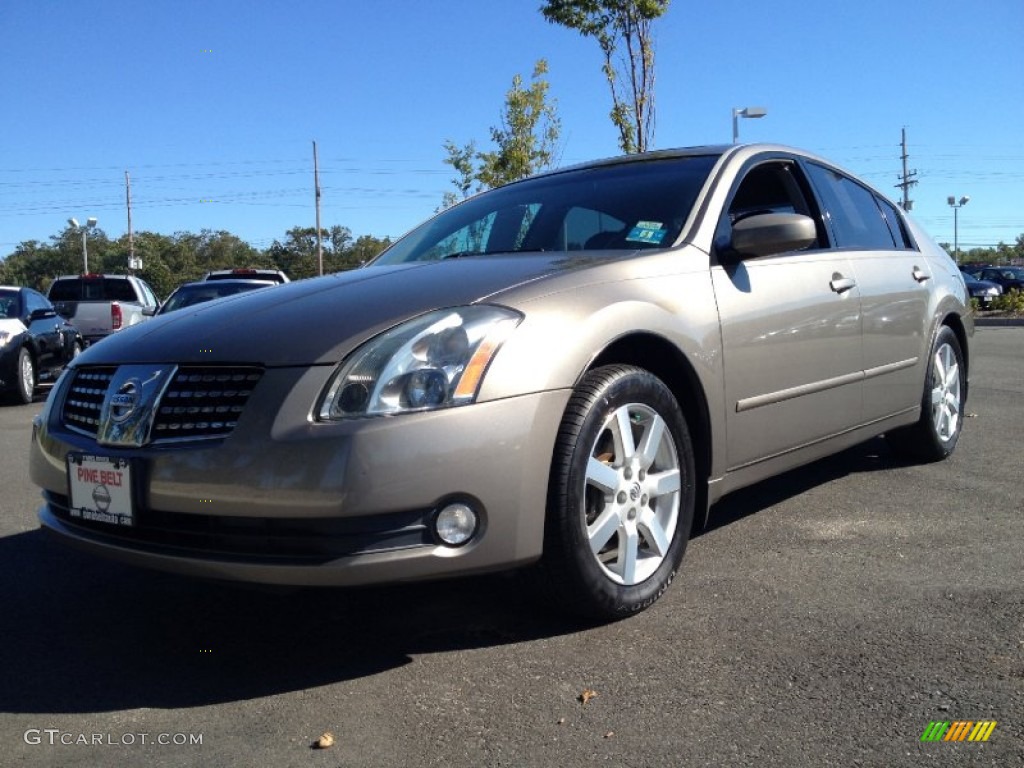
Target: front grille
85	399
204	402
200	401
300	540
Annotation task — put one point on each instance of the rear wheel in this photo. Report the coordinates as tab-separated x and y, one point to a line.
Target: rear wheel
621	496
936	434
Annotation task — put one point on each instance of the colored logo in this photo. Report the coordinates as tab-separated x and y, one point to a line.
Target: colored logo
124	402
959	730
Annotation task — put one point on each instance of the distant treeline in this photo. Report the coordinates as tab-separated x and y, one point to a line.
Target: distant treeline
170	260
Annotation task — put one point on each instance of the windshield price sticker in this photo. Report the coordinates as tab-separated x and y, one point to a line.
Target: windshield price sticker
101	489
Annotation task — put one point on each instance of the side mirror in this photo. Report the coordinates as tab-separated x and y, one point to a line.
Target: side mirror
150	311
766	233
42	314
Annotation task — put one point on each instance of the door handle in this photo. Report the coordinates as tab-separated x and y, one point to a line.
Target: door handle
919	275
841	284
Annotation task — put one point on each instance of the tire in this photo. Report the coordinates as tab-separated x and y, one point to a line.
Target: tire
621	495
25	384
935	435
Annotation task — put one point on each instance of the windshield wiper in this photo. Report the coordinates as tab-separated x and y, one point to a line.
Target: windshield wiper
465	254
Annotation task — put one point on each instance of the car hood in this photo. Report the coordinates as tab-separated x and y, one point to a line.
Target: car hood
12	326
320	320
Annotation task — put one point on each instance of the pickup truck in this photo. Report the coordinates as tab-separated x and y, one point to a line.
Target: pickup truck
98	305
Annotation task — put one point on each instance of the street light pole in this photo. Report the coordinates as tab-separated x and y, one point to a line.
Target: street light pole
90	223
956	205
738	112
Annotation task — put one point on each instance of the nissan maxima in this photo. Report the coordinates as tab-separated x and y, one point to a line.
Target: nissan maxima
561	375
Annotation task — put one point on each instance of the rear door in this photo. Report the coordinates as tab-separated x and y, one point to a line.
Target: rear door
893	278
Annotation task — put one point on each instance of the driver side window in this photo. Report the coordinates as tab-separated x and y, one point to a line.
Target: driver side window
770	187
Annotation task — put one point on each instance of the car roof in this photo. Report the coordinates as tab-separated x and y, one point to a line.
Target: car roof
721	151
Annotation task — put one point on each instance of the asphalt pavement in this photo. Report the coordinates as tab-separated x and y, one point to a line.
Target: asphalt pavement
827	618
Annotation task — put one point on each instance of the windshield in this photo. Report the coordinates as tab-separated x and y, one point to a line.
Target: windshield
626	206
10	304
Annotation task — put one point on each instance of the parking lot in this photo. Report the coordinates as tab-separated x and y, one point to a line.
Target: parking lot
825	619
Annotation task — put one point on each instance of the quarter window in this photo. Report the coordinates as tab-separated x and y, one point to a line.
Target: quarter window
897	227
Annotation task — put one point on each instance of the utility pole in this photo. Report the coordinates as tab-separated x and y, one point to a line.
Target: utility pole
319	239
131	240
907	179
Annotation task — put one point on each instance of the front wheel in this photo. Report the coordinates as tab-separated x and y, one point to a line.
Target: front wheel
936	434
26	383
621	496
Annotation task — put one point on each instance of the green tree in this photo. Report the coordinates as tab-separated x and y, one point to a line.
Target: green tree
618	25
524	143
363	249
296	255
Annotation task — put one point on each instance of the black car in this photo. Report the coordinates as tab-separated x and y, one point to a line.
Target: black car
982	290
1009	278
190	294
35	342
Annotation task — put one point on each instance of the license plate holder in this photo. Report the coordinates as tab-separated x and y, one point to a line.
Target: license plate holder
100	489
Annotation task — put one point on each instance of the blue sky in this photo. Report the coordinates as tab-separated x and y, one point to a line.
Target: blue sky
213	106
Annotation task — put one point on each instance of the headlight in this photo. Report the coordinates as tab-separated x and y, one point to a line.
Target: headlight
5	336
434	361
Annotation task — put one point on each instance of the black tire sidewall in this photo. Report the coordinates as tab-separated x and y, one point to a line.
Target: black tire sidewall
601	393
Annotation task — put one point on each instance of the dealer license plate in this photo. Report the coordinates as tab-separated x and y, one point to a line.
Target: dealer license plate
101	489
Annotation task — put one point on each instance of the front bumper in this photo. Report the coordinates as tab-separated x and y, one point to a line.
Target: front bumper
284	500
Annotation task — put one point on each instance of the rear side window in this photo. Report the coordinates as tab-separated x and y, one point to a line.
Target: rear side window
856	219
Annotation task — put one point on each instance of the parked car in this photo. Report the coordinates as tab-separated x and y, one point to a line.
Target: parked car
99	305
35	343
561	374
972	269
982	290
1008	278
248	273
190	294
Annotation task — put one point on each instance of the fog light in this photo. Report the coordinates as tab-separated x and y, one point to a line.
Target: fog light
456	524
